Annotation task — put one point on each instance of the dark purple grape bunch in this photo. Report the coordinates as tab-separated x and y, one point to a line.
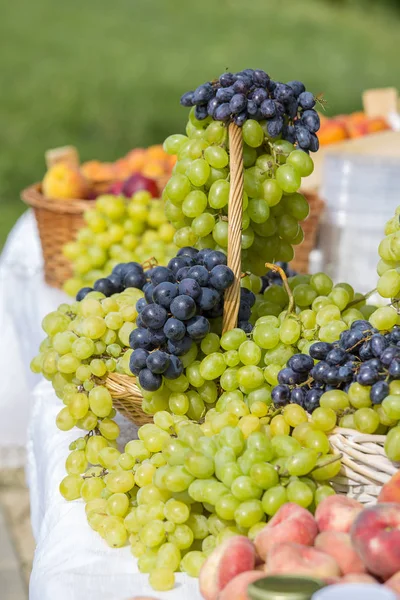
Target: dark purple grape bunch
287	108
179	301
124	275
361	355
274	278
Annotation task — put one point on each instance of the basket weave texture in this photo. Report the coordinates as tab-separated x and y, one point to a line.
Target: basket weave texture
58	222
365	466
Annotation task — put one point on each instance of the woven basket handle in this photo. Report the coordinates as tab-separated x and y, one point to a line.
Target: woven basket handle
232	294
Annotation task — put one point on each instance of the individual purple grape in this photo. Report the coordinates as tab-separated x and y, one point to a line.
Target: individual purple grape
289	377
214	258
332	375
117	281
268	108
337	356
161	274
238	104
157	362
208	299
164	293
140	338
227	79
212	106
221	277
389	354
199	274
148	292
252	108
345	373
179	262
240	119
123	268
314	143
198	327
259	95
83	292
203	93
183	307
247	297
189	287
281	395
182	273
394	368
137	360
154	316
312	399
283	92
274	126
157	337
174	329
175	368
140	304
201	255
134	278
244	312
241	85
318	372
187	99
246	326
261	78
105	286
378	344
306	100
298	396
301	363
222	112
310	119
379	391
303	137
225	94
201	112
180	347
297	87
188	251
149	381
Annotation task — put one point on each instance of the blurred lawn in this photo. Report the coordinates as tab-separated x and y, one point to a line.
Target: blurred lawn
107	76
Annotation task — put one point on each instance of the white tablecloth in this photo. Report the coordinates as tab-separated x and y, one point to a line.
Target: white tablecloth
72	562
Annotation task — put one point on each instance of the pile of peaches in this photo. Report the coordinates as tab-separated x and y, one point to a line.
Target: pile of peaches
142	168
344	127
343	542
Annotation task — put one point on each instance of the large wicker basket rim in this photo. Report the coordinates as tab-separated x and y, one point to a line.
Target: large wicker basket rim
33	196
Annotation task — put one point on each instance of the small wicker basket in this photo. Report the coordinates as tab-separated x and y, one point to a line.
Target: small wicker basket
58	222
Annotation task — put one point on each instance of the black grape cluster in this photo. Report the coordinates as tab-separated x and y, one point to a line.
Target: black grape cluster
175	313
286	108
124	275
362	355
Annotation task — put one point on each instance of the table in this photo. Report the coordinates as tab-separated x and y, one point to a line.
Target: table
72	562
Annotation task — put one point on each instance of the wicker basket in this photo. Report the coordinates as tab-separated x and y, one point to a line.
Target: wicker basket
58	222
300	263
365	466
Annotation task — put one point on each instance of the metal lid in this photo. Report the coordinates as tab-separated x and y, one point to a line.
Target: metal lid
284	587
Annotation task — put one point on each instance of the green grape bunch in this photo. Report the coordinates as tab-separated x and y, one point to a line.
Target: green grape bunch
118	230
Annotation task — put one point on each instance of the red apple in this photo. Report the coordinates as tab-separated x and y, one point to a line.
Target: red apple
137	182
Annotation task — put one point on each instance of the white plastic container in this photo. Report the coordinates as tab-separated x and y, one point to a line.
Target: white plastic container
355	591
360	194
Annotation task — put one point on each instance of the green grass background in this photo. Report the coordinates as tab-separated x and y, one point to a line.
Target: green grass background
107	76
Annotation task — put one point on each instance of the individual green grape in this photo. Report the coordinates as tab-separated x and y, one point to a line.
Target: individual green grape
324	419
162	579
299	493
301	161
302	463
192	562
392	444
70	487
273	499
384	318
366	420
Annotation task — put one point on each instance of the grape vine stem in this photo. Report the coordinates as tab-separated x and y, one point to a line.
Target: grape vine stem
285	283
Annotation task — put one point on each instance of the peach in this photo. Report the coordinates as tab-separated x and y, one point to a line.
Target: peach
63	181
394	583
338	545
375	535
390	492
237	587
358	578
234	556
300	560
337	513
292	523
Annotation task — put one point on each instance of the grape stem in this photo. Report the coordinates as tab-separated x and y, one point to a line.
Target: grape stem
285	283
358	300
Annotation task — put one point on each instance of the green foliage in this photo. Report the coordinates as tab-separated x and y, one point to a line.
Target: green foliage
107	76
